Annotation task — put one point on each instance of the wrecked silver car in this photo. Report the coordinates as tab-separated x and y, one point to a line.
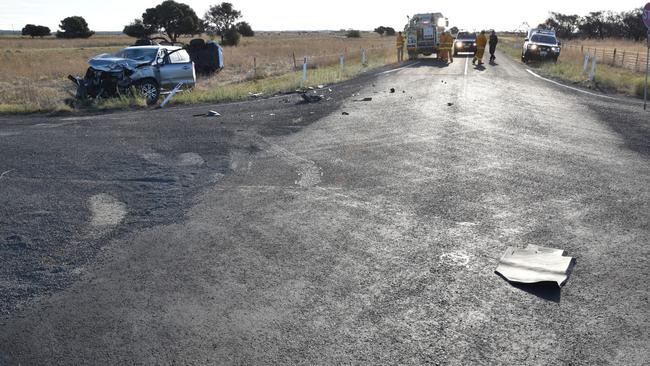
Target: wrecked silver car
145	69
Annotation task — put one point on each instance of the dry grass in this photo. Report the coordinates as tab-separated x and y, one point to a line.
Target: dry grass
610	43
570	67
33	71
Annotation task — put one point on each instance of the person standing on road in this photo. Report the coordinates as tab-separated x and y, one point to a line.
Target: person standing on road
399	42
481	42
446	45
493	45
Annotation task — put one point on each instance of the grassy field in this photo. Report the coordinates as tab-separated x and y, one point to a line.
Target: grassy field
569	67
33	71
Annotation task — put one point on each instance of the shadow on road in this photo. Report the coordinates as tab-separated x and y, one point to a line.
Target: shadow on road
548	291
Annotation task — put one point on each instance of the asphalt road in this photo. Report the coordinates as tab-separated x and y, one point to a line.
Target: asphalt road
286	233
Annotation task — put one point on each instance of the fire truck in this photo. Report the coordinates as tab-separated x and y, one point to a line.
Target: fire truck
423	33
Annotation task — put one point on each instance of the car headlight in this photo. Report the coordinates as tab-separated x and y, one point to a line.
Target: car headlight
556	49
459	44
474	43
533	47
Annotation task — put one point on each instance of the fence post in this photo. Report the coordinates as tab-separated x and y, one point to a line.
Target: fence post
304	72
295	64
582	49
614	58
636	64
364	62
623	59
254	67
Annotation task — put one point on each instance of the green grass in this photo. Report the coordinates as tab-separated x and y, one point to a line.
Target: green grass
569	68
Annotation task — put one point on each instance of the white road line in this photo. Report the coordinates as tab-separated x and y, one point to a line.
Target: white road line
580	90
398	69
466	63
5	173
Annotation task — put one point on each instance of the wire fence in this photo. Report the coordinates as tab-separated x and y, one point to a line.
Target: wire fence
631	60
261	66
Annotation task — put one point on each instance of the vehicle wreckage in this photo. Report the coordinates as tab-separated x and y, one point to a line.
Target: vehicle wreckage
148	68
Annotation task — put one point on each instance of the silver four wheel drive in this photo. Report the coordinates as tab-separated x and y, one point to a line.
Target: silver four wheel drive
147	68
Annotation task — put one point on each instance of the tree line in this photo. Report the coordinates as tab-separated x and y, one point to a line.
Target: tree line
71	27
598	24
177	19
170	18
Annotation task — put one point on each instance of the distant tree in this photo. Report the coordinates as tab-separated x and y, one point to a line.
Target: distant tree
74	27
565	26
454	30
137	29
390	31
220	19
173	19
593	25
231	37
245	29
353	33
35	30
632	24
380	30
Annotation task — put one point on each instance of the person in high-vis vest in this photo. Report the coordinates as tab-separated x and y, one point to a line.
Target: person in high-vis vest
481	42
399	43
446	47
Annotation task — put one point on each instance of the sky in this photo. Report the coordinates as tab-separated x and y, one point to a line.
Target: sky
263	15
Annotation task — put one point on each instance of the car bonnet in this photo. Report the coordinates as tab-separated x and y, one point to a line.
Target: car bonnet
108	62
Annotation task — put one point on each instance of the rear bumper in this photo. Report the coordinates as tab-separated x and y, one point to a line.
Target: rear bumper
420	50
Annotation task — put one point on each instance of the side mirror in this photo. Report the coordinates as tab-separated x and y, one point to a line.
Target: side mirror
526	40
559	43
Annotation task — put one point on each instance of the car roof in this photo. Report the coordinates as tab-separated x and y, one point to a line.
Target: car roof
154	47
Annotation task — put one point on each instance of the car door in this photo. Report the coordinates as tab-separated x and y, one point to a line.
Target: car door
176	68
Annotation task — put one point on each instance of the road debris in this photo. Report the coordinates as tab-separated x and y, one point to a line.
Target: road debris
345	113
450	104
366	99
210	113
255	95
535	264
311	98
392	90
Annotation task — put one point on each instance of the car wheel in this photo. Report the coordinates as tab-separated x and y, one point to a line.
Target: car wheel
150	90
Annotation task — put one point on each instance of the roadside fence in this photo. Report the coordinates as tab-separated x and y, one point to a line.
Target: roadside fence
301	63
631	60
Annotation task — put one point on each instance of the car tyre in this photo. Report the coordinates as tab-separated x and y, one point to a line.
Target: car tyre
150	90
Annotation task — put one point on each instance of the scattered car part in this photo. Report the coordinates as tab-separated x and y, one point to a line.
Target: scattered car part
535	264
311	98
171	94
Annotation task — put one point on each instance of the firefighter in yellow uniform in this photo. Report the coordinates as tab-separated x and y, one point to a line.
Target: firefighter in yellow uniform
399	43
481	42
446	47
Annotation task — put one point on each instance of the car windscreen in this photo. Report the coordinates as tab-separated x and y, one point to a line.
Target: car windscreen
543	39
466	36
139	54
